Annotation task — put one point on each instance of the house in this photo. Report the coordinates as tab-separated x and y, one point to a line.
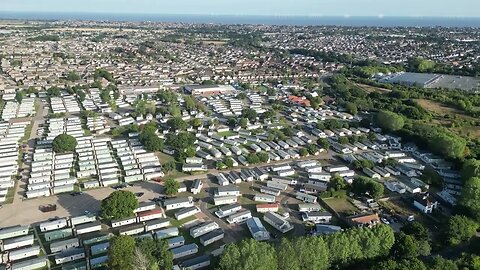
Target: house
186	212
196	263
317	216
278	222
228	210
211	237
239	217
363	220
196	186
270	207
425	203
257	230
177	203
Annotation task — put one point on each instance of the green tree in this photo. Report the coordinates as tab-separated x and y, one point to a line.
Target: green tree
250	114
72	76
243	122
171	186
169	166
190	103
471	168
120	204
229	163
405	246
253	158
177	123
364	185
390	121
439	263
64	143
263	157
351	108
312	149
81	95
120	252
19	96
417	230
287	256
323	143
248	255
197	122
337	182
174	110
469	202
303	152
157	252
460	229
312	252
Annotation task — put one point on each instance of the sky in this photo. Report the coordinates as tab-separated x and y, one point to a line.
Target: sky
381	8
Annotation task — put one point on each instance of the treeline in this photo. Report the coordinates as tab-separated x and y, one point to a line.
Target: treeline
336	250
45	38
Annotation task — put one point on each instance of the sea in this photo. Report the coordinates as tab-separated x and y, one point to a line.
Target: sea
247	19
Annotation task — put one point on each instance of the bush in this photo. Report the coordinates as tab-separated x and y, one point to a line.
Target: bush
64	143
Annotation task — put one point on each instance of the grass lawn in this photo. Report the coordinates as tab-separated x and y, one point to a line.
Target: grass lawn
226	133
11	193
341	205
179	223
164	158
28	131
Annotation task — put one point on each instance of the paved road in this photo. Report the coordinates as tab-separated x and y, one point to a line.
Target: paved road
21	185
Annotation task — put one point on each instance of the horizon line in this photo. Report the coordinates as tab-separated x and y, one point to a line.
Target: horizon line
346	16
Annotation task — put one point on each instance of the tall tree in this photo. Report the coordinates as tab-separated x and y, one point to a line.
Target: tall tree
460	229
248	255
121	252
120	204
390	121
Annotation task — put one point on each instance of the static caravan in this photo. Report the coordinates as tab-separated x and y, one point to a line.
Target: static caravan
270	191
277	185
15	231
306	197
186	212
227	191
23	253
53	225
264	198
239	217
320	176
211	237
149	215
123	222
157	224
166	233
84	228
269	207
82	219
58	234
220	200
36	263
195	263
278	222
175	242
196	186
17	242
98	262
62	245
70	255
203	228
228	210
177	203
309	207
184	251
131	229
99	248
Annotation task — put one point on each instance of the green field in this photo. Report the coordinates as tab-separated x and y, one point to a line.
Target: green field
341	205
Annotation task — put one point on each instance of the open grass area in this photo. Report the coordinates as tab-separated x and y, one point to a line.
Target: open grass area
28	131
226	133
11	193
179	223
370	88
164	158
341	205
442	109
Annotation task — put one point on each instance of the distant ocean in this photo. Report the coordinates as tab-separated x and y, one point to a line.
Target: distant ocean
267	20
